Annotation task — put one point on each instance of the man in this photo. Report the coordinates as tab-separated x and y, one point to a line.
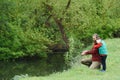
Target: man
95	61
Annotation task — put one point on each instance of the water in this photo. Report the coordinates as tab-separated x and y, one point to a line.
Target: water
33	67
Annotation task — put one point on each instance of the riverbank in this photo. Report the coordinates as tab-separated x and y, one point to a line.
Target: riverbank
81	72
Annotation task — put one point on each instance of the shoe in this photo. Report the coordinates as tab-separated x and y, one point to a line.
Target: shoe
102	70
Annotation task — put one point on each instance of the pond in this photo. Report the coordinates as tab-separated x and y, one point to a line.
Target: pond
32	67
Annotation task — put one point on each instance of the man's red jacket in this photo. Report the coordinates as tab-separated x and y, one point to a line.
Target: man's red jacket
95	53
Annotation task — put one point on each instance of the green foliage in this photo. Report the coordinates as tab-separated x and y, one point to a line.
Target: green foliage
20	35
90	17
74	50
25	29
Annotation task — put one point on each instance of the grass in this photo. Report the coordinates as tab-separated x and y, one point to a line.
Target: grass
81	72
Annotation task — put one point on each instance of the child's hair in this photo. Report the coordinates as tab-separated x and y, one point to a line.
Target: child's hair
96	35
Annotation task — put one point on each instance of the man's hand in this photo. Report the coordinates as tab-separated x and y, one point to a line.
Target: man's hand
84	52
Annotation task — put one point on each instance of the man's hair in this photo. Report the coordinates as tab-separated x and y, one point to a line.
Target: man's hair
96	35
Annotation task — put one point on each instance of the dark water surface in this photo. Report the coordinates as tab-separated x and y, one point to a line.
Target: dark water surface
32	67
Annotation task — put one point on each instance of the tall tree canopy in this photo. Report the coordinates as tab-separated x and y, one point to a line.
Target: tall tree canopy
37	27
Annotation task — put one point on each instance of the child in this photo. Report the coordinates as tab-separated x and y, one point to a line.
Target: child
102	51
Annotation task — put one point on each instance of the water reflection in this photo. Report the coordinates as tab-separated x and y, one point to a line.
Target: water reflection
34	67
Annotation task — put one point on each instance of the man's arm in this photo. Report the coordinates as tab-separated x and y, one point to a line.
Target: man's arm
84	52
92	51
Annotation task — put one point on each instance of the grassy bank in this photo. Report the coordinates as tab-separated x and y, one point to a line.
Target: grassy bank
81	72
